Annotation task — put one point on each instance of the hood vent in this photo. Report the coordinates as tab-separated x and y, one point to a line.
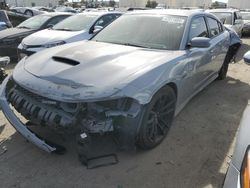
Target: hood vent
65	60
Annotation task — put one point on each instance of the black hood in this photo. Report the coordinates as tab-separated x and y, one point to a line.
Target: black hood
15	32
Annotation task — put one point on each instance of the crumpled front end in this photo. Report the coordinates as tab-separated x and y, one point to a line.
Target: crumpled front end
118	116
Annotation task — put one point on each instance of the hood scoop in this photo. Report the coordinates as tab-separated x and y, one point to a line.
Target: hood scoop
65	60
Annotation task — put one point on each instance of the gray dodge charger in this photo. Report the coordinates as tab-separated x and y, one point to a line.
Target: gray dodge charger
129	80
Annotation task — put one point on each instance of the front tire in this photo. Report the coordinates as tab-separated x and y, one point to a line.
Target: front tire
157	118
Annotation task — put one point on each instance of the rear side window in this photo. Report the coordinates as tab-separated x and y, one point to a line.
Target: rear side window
198	28
214	27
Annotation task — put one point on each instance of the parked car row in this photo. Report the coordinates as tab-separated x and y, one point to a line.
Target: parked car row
12	37
76	28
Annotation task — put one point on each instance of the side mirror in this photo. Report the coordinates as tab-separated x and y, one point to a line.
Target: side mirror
238	21
223	20
97	28
50	26
200	42
247	58
4	61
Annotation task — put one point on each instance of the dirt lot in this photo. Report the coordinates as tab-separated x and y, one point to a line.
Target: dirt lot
195	153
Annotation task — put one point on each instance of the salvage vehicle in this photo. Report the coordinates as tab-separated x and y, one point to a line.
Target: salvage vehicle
246	20
231	17
126	81
11	38
76	28
238	174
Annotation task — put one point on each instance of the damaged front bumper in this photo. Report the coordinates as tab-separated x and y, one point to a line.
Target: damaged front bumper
122	117
19	126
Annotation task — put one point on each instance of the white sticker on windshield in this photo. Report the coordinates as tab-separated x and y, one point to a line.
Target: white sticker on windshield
173	20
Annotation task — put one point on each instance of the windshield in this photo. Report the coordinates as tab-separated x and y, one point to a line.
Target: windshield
148	31
245	15
35	22
227	16
76	23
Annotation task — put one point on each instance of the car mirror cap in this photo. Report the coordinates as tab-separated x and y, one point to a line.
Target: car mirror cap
247	58
97	29
200	42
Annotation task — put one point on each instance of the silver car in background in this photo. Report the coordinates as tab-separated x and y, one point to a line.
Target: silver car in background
129	80
246	20
231	17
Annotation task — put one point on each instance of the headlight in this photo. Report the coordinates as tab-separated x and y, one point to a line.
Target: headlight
245	170
53	44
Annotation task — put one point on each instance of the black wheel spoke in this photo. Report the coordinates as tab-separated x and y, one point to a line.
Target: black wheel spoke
162	125
167	106
162	114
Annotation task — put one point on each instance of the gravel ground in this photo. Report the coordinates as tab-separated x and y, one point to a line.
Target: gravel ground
195	153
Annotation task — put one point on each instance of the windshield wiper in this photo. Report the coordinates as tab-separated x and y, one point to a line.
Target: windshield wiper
135	45
23	27
64	29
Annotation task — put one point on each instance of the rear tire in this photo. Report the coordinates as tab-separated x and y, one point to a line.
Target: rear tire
157	118
29	13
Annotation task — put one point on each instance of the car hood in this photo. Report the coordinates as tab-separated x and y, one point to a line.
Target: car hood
89	69
49	35
14	32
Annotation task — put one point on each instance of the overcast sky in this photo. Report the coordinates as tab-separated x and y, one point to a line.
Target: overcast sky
225	1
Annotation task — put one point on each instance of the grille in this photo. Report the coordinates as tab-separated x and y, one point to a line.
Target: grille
33	108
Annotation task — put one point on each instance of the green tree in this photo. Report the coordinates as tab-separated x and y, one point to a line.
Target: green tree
151	4
112	3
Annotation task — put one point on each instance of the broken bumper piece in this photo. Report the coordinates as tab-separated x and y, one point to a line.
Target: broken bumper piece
21	128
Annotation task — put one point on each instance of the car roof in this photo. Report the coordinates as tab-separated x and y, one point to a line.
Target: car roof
98	13
177	12
57	13
222	10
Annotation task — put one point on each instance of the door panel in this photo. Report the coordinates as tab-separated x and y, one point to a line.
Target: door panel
197	61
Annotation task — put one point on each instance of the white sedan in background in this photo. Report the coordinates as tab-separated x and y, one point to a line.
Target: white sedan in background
232	18
76	28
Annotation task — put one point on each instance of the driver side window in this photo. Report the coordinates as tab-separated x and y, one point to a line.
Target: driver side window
198	28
